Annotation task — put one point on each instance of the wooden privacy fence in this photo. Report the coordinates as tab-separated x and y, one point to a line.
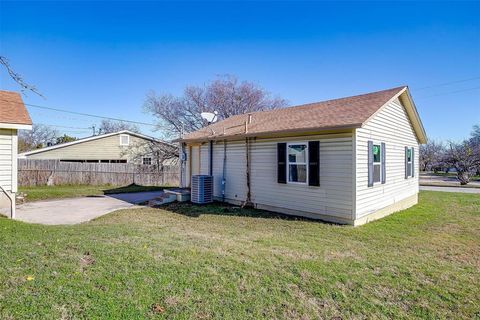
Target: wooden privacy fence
53	172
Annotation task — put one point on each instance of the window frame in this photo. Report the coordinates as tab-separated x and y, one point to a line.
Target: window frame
379	164
409	163
147	164
128	140
305	143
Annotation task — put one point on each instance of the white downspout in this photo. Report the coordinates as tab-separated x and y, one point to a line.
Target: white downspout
180	156
12	202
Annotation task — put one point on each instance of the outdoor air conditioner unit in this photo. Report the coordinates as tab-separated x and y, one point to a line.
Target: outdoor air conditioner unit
201	189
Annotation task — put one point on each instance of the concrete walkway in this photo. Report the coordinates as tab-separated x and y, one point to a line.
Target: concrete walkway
451	189
78	210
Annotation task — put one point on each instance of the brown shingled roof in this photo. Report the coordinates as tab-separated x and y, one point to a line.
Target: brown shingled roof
12	109
350	112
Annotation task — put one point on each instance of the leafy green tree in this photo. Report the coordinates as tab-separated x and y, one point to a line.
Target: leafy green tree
64	139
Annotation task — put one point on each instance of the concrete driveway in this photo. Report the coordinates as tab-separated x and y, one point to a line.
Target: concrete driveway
78	210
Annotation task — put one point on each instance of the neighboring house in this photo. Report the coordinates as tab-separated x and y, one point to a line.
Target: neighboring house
13	116
349	160
118	147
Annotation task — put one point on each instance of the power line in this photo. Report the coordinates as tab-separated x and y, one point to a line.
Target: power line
82	114
447	83
73	132
89	115
451	92
66	127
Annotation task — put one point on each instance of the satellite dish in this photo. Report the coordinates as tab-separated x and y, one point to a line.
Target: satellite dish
210	117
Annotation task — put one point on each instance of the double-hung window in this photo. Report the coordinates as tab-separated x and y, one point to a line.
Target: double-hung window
409	167
377	169
147	160
377	163
297	162
409	162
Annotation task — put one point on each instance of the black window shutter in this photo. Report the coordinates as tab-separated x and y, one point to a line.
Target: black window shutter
406	162
314	163
413	162
370	163
281	162
383	159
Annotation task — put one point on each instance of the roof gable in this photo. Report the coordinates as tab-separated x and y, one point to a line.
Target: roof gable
407	102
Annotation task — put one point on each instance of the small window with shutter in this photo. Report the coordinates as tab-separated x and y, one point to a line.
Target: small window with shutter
377	163
377	171
409	166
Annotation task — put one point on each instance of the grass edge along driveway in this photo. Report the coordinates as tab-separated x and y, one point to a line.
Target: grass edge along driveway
215	261
37	193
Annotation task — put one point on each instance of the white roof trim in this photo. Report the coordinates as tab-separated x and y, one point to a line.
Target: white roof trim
58	146
4	125
412	114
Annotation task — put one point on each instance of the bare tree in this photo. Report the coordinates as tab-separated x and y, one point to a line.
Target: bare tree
475	135
39	137
430	154
159	153
464	158
17	77
475	142
110	126
226	95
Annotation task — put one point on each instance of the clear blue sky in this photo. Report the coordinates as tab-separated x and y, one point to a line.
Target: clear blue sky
103	57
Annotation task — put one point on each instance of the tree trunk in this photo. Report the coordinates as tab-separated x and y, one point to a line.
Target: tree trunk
464	178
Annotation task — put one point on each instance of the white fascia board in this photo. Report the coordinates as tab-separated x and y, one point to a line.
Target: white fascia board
15	126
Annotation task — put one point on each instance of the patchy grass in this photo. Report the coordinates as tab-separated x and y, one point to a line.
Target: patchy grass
204	262
70	191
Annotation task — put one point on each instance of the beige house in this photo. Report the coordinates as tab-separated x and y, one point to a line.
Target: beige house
13	116
118	147
348	160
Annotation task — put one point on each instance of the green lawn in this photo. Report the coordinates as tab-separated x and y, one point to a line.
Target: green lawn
70	191
192	262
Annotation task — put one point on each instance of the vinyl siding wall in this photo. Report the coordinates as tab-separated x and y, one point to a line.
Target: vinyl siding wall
392	126
204	158
107	148
8	163
334	197
197	161
195	167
